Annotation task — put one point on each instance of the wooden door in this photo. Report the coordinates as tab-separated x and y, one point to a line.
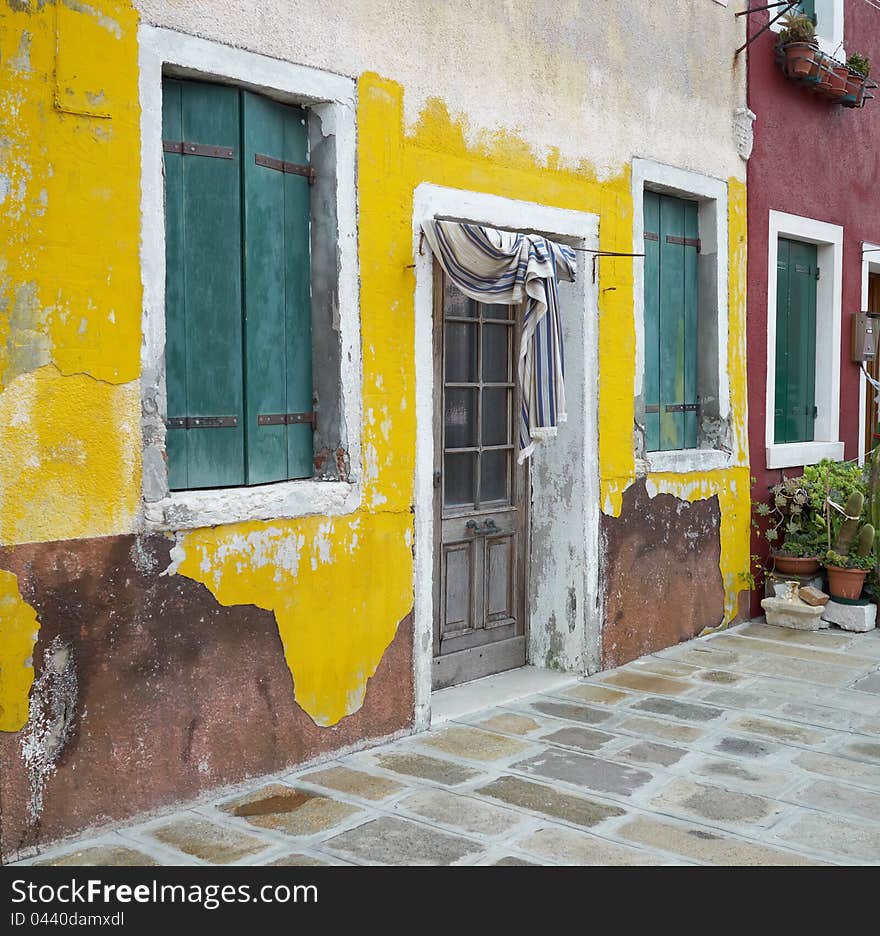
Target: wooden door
872	437
480	494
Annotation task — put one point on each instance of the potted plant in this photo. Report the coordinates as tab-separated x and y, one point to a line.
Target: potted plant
798	44
798	555
839	79
791	521
851	555
858	68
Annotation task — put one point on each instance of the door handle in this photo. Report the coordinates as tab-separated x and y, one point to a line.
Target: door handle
488	528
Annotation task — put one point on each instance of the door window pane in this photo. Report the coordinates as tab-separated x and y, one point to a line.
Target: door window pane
494	470
495	353
460	418
496	419
461	352
459	479
456	303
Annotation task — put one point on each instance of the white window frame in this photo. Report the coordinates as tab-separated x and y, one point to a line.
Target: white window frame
334	99
870	264
829	296
711	196
576	227
830	42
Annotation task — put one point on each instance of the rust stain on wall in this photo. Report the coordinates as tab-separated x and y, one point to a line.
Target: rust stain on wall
148	691
661	575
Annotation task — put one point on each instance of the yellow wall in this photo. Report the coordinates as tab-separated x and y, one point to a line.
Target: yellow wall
70	345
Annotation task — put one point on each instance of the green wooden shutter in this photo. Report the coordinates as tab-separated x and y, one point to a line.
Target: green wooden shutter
652	322
203	264
807	7
278	325
175	309
795	386
671	322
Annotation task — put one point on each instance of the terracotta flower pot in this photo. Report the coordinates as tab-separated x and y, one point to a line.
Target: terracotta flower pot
800	59
845	583
855	88
823	75
794	565
839	78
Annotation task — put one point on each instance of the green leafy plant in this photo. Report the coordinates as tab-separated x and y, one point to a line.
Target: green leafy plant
803	545
859	64
798	27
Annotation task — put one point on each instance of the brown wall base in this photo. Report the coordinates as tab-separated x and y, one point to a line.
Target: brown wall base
661	576
148	691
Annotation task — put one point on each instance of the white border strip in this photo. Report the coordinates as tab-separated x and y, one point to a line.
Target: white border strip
707	190
334	99
829	297
870	264
580	229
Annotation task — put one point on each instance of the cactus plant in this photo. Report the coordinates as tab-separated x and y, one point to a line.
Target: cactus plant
849	529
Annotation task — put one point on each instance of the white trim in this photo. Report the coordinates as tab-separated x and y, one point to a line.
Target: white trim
870	264
576	227
333	99
829	292
711	195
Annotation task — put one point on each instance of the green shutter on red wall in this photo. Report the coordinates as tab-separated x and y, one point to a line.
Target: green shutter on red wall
278	321
238	314
795	403
671	322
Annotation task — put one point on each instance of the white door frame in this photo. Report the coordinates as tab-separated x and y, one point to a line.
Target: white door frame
577	228
870	264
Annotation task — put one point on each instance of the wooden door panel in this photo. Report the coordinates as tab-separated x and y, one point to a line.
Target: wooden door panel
457	612
500	579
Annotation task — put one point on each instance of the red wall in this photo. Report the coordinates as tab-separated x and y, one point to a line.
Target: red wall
820	160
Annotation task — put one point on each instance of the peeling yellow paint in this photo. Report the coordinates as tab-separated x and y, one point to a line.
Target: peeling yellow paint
69	457
18	633
338	588
70	289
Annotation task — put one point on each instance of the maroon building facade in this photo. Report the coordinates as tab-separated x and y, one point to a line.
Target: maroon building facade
814	221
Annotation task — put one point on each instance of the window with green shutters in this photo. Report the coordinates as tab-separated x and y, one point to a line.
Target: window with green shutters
671	322
238	351
795	396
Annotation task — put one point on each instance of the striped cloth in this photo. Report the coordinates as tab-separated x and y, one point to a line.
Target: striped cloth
499	266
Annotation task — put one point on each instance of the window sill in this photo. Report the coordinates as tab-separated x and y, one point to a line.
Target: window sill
188	510
796	454
686	461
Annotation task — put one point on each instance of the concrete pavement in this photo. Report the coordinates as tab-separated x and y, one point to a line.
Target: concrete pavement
756	746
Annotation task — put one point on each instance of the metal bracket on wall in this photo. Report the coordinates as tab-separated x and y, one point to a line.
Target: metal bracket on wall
598	254
787	4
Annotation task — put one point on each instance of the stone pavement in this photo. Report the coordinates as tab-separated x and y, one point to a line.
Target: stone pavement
756	746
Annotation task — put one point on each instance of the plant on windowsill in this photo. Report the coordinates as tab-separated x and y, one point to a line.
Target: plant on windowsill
799	48
850	556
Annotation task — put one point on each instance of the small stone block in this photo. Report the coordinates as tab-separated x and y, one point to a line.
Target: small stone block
813	596
858	618
798	615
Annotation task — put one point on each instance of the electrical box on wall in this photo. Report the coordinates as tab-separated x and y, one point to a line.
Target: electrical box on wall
864	337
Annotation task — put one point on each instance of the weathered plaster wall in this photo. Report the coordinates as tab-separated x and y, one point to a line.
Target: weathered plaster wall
570	95
569	80
821	161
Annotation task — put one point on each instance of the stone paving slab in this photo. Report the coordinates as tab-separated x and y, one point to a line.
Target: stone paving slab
758	746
